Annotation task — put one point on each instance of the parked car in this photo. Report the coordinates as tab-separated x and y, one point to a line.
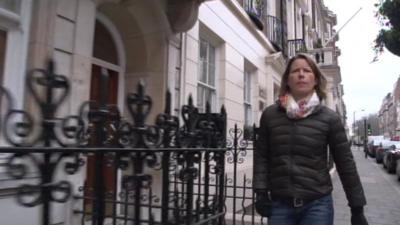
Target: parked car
398	169
390	158
385	145
373	145
376	137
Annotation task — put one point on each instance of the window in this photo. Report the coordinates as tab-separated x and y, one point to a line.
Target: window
104	47
206	79
247	99
15	21
176	59
11	5
334	92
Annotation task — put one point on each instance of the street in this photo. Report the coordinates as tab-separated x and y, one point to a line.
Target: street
381	189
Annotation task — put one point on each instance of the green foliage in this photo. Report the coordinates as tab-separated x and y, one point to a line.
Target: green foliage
388	15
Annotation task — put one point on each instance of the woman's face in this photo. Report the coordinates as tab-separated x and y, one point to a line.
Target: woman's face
301	80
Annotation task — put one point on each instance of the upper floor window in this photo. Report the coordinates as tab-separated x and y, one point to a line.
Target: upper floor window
104	47
206	90
11	5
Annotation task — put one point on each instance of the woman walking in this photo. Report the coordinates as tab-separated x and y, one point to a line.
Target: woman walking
291	171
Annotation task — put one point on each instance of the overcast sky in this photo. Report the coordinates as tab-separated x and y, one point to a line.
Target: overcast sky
365	83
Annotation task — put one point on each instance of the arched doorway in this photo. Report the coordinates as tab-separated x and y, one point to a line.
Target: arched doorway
107	61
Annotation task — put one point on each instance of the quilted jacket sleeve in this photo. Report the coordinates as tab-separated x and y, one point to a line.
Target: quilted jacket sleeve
260	160
345	164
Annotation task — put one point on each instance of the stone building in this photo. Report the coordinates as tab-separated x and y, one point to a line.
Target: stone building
228	52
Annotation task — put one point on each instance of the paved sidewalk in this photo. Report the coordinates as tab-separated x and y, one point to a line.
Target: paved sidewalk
381	189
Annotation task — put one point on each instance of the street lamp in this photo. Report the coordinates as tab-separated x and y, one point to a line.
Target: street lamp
365	136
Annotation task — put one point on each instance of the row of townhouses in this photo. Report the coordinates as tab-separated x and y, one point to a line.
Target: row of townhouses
228	53
389	113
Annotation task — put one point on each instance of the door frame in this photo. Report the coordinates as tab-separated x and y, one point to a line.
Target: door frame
120	69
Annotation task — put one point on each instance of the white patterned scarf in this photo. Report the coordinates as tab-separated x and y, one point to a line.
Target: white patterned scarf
300	109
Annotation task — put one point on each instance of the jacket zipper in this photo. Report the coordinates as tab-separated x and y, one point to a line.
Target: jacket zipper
294	124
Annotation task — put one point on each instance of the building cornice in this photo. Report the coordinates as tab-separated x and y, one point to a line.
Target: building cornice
277	61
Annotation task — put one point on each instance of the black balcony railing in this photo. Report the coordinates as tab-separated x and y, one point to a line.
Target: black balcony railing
296	46
324	56
104	169
254	8
276	32
319	57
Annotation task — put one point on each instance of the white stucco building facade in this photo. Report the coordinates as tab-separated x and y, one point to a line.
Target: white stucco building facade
229	53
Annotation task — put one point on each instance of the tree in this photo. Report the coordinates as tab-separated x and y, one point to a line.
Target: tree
388	15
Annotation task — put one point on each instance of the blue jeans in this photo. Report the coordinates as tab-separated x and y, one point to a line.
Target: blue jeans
317	212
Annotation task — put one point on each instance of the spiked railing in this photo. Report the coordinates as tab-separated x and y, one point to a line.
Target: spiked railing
144	161
106	169
296	46
276	32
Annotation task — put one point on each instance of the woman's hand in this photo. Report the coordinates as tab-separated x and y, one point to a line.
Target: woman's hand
357	216
263	203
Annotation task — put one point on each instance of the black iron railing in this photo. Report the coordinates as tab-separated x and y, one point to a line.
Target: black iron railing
324	56
255	10
296	46
253	6
239	197
107	170
276	32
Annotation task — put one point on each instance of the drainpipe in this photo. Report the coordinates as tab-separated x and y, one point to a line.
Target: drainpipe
183	45
295	21
282	31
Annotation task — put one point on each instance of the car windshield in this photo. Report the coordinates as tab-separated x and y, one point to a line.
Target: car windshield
388	144
397	145
378	142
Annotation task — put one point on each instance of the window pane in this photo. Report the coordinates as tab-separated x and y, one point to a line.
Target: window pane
211	75
213	101
205	95
177	79
248	93
203	62
247	115
203	72
200	98
178	57
203	50
11	5
211	65
104	47
247	87
211	54
177	102
210	98
207	77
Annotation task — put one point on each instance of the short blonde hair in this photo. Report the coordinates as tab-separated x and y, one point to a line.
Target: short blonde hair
320	79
